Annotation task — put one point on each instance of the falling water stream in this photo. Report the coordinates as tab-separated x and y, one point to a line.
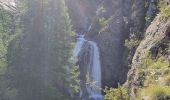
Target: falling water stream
93	68
93	64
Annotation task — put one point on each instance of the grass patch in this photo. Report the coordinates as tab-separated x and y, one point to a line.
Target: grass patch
158	63
164	8
154	92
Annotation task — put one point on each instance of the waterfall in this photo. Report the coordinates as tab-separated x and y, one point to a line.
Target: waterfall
93	68
79	44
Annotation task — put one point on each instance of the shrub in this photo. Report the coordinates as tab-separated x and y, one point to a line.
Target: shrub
131	43
164	9
154	92
120	93
102	22
160	63
149	62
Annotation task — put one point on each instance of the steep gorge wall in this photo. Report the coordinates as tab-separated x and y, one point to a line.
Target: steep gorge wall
126	20
111	44
151	57
155	36
81	13
123	25
110	40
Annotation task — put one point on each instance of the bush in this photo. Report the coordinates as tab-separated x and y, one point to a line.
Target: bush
120	93
164	8
102	22
158	63
131	43
154	92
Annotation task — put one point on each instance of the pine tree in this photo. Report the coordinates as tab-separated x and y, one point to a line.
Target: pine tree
39	58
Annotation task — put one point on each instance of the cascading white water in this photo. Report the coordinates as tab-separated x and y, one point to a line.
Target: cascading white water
94	68
79	44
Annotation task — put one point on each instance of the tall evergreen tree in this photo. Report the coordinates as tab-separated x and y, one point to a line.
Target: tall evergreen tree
39	58
8	31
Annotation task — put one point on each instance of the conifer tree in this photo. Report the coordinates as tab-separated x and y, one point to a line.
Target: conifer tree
39	58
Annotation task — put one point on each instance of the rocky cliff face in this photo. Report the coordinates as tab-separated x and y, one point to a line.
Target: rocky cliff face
81	13
111	39
151	59
155	37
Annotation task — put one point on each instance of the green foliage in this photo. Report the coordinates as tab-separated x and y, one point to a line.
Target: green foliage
102	22
165	11
66	21
7	33
3	51
120	93
5	22
74	73
147	19
46	40
63	51
154	92
158	63
130	44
